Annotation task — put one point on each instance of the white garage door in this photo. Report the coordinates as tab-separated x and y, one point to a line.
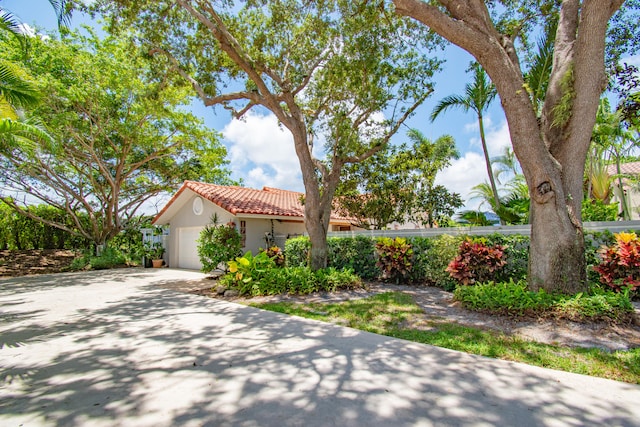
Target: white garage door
188	248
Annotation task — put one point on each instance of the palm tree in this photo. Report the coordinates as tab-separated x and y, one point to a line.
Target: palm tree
611	137
17	92
506	163
537	77
474	218
478	96
514	204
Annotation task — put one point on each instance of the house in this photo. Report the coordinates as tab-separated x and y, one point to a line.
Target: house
630	172
263	218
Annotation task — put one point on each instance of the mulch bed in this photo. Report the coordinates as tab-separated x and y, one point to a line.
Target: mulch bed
35	261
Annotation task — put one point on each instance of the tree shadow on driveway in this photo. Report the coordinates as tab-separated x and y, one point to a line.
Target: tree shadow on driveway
144	356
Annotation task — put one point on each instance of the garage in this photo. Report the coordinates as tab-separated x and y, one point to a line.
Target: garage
187	252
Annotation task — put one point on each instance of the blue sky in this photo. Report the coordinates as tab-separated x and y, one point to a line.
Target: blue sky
262	154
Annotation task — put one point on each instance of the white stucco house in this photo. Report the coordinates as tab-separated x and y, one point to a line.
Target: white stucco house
258	215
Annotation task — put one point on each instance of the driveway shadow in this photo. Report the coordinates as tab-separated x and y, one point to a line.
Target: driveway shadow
161	358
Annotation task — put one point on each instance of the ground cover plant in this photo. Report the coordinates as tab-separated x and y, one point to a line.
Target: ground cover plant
396	315
514	299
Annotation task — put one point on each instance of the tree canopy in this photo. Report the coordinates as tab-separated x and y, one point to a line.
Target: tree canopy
341	76
120	135
397	184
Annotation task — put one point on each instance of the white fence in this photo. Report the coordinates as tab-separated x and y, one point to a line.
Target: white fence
613	226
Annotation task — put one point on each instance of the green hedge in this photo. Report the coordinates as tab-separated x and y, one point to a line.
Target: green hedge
432	255
356	254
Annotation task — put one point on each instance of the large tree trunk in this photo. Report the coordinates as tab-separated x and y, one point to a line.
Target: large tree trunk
556	253
318	239
552	152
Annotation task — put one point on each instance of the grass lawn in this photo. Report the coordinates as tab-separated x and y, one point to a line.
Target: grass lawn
396	315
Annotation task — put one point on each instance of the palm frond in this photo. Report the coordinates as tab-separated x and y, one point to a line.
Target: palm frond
448	102
22	134
475	218
16	88
537	77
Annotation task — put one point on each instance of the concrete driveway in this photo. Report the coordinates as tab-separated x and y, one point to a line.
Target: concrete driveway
113	348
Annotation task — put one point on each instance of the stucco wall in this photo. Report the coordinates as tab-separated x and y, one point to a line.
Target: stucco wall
255	227
185	217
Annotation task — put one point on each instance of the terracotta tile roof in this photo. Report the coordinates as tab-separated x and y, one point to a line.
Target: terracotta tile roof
242	200
631	168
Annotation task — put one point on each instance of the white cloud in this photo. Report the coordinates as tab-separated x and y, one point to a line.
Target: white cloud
463	175
632	60
262	152
471	169
497	137
27	30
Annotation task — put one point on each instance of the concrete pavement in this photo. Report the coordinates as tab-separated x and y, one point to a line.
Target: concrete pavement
114	348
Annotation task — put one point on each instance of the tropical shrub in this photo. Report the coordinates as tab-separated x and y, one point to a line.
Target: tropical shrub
248	268
276	254
296	251
594	241
620	266
356	254
516	255
431	256
258	275
218	244
394	258
109	258
476	262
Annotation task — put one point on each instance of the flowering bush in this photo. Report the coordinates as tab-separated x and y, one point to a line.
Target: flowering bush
394	258
620	266
476	262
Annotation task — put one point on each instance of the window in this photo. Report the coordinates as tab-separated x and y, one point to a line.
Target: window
243	232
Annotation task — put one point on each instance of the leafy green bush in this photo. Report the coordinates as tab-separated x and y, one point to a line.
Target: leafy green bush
296	251
257	275
431	256
218	244
394	258
620	266
356	254
513	298
597	210
109	258
476	262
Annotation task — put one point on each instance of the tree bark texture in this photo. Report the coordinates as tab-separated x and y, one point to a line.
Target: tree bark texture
552	151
